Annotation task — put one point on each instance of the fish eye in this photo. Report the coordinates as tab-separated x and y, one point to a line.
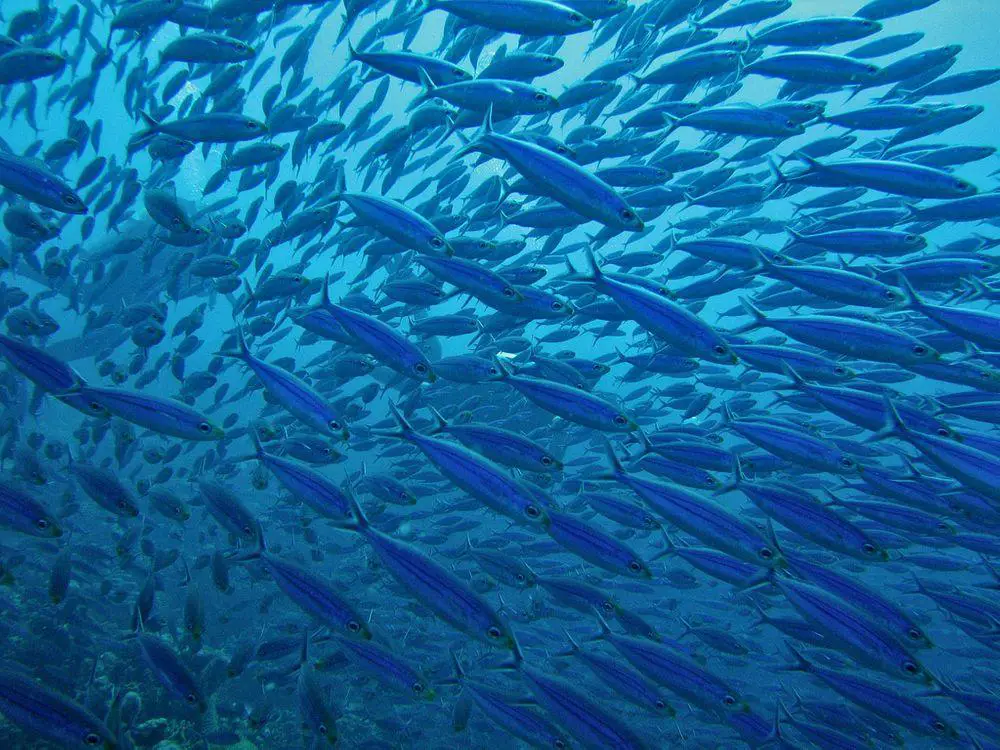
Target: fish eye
889	294
333	424
493	632
247	530
620	420
204	428
420	367
766	553
122	505
914	635
42	523
719	349
91	739
494	371
251	125
626	214
70	200
868	548
920	350
540	97
938	726
508	292
354	626
575	17
546	461
660	705
557	306
943	431
483	245
321	729
94	406
729	700
559	744
790	123
608	606
519	578
635	566
531	511
838	370
191	698
910	668
437	242
846	462
913	238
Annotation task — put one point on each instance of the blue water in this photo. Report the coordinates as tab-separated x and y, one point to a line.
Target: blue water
69	293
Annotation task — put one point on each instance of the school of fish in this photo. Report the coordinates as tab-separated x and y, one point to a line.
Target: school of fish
497	374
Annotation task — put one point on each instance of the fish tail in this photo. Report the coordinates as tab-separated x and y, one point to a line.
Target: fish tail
400	419
779	177
759	319
801	663
727	414
668	550
738	478
797	380
254	553
894	425
913	300
359	515
595	270
761	616
616	467
574	646
143	137
244	349
605	628
441	425
647	447
249	298
256	443
428	92
459	671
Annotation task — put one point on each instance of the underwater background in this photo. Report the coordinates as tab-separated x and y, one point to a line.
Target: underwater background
500	374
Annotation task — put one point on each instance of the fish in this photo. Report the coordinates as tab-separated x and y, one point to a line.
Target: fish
50	714
606	356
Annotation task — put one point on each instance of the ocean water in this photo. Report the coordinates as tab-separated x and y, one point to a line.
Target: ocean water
501	466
